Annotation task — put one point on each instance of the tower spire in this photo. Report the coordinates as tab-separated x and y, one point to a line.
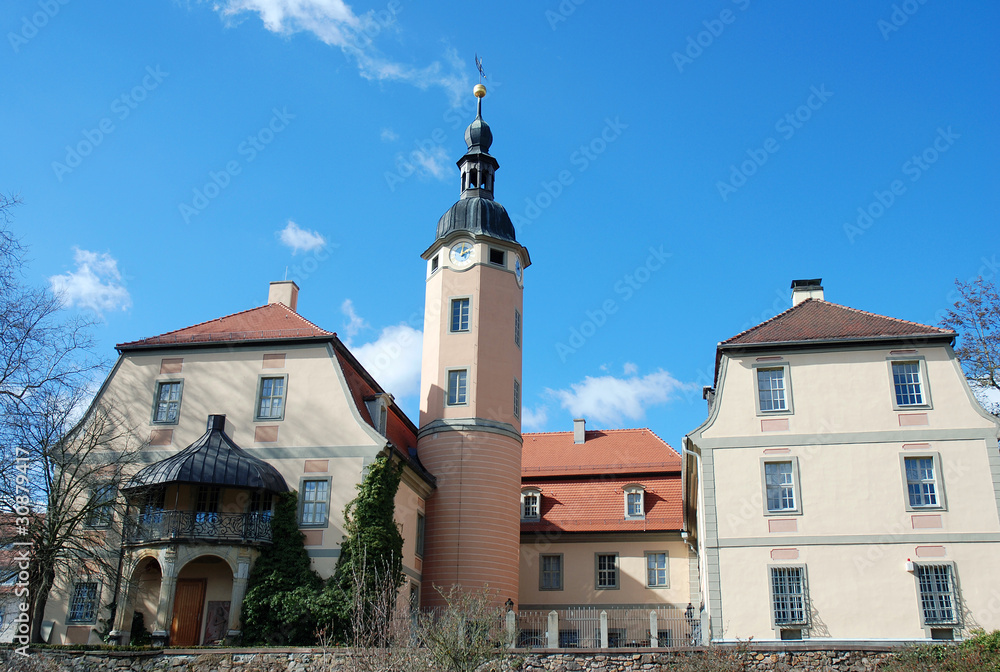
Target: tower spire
477	167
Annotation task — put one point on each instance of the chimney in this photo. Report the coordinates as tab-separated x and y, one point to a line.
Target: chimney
806	289
217	422
579	430
286	292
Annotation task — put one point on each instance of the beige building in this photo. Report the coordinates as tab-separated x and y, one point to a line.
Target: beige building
288	408
601	531
846	482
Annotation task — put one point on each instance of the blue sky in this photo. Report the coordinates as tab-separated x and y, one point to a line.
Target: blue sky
670	166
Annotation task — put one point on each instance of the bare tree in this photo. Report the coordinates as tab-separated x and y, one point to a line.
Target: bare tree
68	480
467	634
976	318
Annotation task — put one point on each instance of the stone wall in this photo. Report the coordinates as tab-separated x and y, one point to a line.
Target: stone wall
761	658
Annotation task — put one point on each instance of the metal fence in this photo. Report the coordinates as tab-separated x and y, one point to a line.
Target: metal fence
611	627
248	528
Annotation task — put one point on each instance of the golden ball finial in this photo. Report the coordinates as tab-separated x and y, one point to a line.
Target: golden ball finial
479	91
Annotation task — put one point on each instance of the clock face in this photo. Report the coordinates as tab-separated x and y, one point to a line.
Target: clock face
517	269
462	254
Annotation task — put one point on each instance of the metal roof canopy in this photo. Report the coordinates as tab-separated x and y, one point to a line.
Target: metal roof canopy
213	459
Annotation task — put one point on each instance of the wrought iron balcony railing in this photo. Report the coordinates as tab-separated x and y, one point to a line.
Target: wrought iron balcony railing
160	526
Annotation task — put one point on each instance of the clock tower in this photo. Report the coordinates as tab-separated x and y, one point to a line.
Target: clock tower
470	385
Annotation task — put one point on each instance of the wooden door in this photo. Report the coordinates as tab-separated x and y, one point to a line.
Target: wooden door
189	602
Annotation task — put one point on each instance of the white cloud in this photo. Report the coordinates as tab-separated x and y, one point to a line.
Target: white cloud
533	420
630	369
436	163
301	240
389	135
394	359
355	323
95	284
336	24
608	400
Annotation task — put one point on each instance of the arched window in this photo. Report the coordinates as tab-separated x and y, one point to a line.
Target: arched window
635	505
531	504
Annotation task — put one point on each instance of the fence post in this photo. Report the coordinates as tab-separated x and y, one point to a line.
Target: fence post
654	640
511	629
553	633
604	629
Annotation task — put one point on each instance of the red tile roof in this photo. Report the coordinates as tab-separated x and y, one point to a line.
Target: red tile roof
270	322
608	451
818	320
598	505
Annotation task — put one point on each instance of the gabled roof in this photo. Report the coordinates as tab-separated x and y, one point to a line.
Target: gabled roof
608	451
816	320
274	321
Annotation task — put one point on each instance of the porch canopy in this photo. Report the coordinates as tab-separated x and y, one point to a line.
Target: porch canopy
213	459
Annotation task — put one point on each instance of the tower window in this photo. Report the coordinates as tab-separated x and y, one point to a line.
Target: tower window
434	264
460	314
517	399
497	256
517	328
457	386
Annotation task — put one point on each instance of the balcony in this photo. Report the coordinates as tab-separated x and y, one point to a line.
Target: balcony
192	526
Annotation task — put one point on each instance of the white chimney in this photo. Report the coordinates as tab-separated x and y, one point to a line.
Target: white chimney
579	430
284	291
806	289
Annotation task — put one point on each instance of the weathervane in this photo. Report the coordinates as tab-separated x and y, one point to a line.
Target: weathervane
479	66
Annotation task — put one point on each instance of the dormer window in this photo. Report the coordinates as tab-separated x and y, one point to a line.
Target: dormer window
531	504
378	409
634	502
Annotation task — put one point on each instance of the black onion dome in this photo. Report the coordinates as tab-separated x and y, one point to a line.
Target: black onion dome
478	135
214	459
482	216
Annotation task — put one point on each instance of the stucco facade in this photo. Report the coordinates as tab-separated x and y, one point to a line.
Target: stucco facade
845	483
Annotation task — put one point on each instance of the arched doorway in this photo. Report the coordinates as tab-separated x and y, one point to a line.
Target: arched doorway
202	602
145	585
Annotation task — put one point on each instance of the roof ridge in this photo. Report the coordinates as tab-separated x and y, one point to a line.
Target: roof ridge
226	317
618	429
768	321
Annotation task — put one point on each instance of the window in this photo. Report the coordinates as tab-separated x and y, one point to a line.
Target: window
607	571
102	500
208	504
460	314
457	383
83	604
906	383
315	502
569	639
420	535
497	257
551	572
788	596
434	264
937	594
771	389
383	419
517	399
167	406
656	570
920	483
781	486
530	504
271	398
634	504
517	328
